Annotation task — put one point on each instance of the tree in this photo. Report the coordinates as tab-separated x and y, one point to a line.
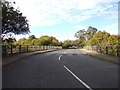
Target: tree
36	41
54	41
83	36
113	40
13	21
22	41
67	44
8	41
90	32
79	43
45	40
80	34
99	39
31	37
86	34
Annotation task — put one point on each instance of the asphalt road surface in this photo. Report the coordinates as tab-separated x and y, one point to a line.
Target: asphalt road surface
67	68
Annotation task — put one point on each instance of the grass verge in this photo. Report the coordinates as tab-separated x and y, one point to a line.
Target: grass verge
101	57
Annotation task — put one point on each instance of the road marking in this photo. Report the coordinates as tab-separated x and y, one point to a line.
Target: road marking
78	79
65	52
60	57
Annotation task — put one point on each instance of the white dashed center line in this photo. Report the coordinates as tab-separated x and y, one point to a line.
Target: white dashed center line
60	57
78	79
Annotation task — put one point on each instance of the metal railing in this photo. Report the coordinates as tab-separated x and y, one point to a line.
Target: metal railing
14	49
110	50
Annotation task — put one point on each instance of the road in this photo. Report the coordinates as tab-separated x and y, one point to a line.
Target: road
67	68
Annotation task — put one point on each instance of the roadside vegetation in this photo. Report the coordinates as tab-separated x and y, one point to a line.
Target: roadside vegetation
14	23
93	37
43	40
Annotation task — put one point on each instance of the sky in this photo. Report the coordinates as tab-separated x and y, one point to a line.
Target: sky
63	18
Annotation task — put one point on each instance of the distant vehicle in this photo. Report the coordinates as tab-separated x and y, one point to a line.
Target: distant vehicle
72	47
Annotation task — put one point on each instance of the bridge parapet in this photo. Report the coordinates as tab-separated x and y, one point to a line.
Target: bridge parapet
14	49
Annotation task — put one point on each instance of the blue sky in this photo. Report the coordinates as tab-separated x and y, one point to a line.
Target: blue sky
62	18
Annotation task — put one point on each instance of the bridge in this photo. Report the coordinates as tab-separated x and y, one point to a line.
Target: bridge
54	67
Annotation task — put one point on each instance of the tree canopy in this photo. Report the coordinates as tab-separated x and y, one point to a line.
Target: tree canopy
86	34
13	20
92	37
67	44
43	40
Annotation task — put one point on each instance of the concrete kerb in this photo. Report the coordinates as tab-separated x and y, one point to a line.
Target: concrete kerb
9	62
101	56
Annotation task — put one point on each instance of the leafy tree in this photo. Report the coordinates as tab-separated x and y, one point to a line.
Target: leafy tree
31	37
103	38
54	41
97	39
8	41
45	40
22	41
79	43
67	44
80	34
36	41
113	40
83	35
12	20
90	32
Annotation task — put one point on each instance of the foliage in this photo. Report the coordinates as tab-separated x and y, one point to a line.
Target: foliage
31	37
8	41
103	39
79	43
92	37
21	41
13	21
80	34
43	40
67	44
114	40
90	32
83	36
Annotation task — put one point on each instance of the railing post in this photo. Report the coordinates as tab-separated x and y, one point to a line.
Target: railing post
11	48
43	47
117	51
99	49
19	48
96	48
106	48
39	47
4	50
27	48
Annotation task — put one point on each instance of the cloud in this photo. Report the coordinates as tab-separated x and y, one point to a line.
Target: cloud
112	29
80	27
17	37
51	12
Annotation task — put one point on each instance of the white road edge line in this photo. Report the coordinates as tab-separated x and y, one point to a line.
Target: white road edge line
78	79
60	57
